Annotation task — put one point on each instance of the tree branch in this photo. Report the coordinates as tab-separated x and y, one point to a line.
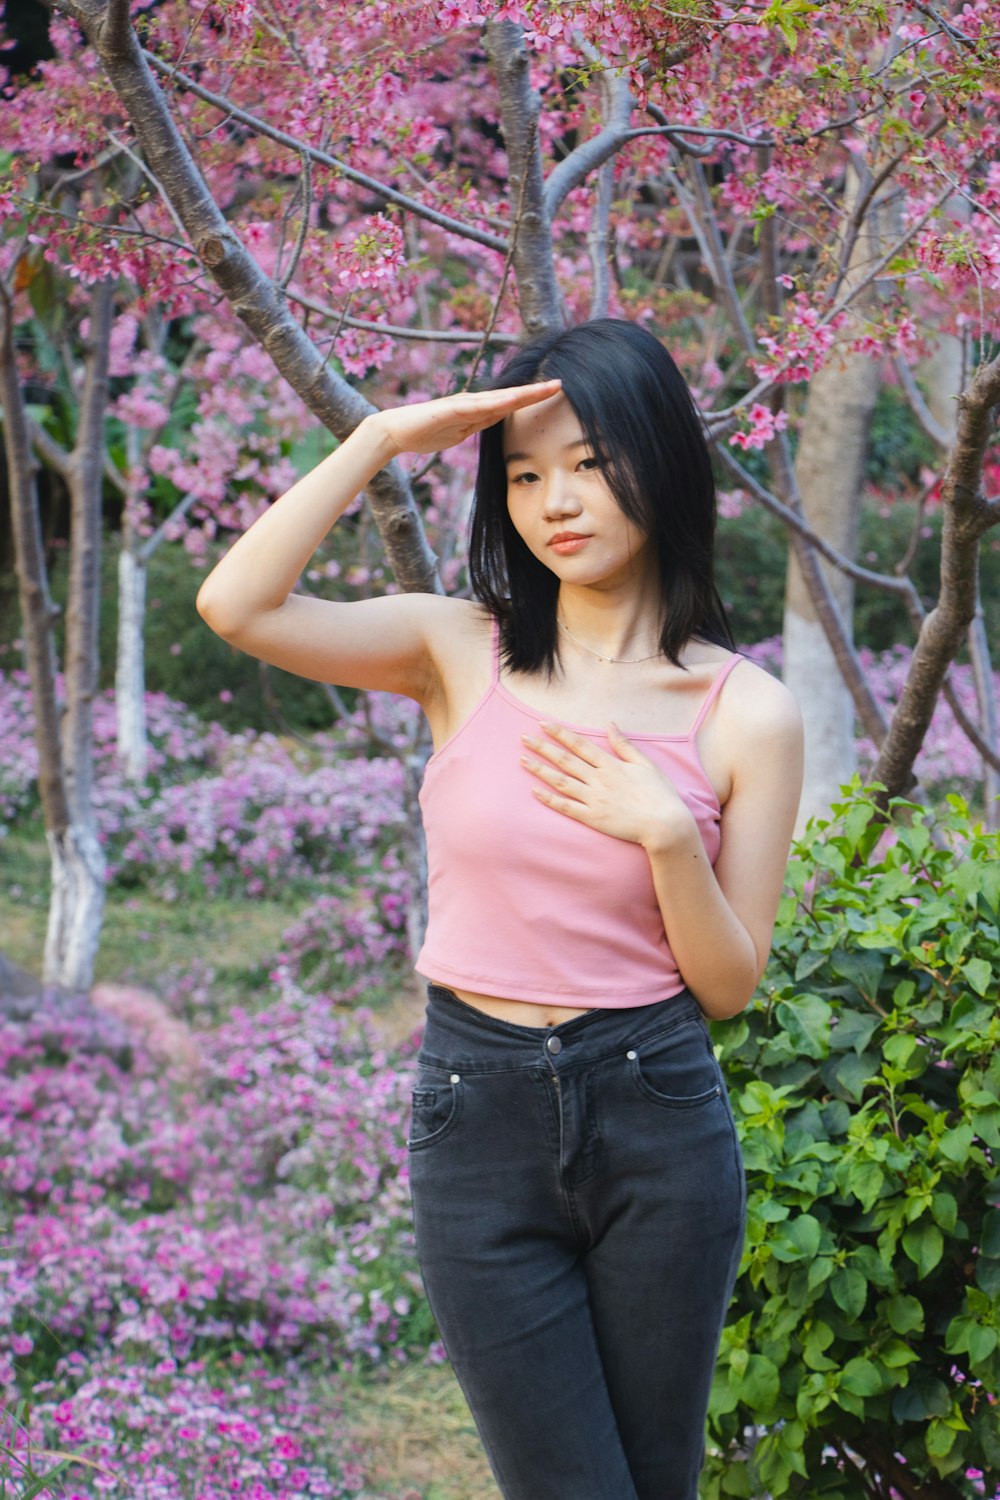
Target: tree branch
585	158
928	421
397	330
53	454
37	610
967	516
255	298
323	158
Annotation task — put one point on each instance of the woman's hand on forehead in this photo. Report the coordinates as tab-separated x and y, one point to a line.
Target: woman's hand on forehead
428	426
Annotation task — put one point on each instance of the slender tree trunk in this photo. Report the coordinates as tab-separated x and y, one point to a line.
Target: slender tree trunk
130	669
130	666
829	467
78	866
830	471
38	613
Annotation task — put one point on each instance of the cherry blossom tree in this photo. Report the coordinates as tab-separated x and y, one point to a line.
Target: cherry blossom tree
802	201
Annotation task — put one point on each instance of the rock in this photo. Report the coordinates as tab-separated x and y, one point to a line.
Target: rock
149	1022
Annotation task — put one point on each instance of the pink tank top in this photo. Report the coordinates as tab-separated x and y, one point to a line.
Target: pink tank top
527	904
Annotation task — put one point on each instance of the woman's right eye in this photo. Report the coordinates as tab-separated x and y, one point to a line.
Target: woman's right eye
518	478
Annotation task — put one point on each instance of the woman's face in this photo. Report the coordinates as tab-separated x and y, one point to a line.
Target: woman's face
560	503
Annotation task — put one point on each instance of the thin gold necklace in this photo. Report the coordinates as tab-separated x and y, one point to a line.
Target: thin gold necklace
618	661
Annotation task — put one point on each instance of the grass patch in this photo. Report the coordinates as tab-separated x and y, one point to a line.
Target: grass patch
145	941
415	1436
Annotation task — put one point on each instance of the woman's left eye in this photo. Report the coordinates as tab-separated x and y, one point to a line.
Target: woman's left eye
589	463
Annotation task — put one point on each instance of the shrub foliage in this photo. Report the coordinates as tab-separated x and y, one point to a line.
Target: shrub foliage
861	1358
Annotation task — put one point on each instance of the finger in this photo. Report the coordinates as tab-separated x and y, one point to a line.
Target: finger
560	781
508	398
565	805
586	749
623	746
559	755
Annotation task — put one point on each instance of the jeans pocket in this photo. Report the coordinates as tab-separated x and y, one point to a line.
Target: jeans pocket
677	1070
434	1111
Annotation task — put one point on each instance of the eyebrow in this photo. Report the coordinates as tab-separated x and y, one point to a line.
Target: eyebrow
517	458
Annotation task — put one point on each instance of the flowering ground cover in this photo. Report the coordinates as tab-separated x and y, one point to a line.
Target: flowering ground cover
201	1247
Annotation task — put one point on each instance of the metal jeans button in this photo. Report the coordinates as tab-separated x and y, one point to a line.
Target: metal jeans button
554	1045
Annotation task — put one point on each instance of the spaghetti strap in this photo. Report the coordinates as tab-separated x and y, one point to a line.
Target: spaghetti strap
713	692
495	637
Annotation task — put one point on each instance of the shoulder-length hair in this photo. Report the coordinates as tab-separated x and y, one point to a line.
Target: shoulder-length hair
641	422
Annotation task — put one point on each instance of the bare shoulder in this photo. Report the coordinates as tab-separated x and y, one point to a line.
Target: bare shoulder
759	697
762	713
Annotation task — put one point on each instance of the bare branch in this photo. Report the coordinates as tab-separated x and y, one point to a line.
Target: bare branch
501	289
967	516
260	304
928	421
887	583
53	454
589	155
950	31
324	159
866	705
397	330
599	240
300	240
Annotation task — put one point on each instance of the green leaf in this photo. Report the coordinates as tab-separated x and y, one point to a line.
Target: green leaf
864	970
945	1210
989	1240
808	962
988	1275
760	1385
899	1049
924	1244
904	1314
807	1022
849	1290
979	973
981	1343
956	1144
896	1355
865	1180
853	1029
797	1239
940	1439
924	1397
853	1072
861	1378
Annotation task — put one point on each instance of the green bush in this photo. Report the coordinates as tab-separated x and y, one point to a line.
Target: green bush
861	1357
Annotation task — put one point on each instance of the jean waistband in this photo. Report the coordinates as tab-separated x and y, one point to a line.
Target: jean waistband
456	1032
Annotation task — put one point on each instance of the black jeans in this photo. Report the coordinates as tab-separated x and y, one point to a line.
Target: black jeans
579	1203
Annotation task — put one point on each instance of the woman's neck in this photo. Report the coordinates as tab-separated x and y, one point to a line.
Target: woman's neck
614	629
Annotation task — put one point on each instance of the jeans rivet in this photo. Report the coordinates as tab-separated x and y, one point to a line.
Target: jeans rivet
631	1056
455	1078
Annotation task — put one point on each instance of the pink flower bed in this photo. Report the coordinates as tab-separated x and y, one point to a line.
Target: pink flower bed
162	1228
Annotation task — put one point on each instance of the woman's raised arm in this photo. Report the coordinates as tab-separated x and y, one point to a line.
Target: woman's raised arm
375	643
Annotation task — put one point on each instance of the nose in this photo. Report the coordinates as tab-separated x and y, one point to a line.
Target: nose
560	500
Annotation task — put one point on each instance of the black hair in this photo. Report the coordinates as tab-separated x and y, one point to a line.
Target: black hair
642	425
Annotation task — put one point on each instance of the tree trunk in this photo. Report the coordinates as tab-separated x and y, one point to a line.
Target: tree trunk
830	472
829	468
76	905
130	670
78	866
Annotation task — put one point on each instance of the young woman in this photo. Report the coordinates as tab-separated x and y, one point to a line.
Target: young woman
608	813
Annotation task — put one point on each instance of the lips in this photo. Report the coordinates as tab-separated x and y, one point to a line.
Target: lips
568	541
